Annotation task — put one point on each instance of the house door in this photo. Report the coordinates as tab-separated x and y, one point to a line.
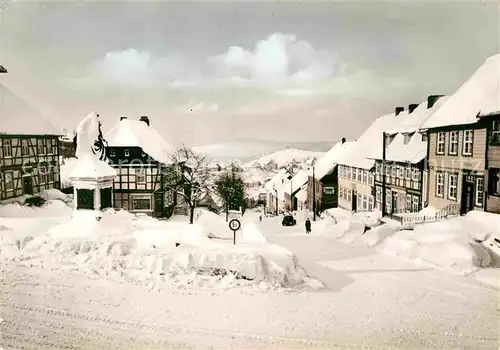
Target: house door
467	196
27	185
394	204
354	201
158	209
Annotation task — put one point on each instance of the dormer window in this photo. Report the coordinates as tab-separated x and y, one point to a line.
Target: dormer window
127	153
112	153
407	138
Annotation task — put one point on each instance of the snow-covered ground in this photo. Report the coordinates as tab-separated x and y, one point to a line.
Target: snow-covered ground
134	282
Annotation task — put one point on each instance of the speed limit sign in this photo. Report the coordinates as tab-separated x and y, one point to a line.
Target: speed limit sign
234	224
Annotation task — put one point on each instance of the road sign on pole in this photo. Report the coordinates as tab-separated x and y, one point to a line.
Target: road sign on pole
234	225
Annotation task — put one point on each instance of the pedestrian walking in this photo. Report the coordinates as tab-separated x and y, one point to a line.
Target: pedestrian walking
308	226
260	217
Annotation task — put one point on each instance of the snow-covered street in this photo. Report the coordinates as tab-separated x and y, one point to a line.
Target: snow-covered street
371	299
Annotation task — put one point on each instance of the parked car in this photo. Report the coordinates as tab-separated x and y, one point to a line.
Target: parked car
288	220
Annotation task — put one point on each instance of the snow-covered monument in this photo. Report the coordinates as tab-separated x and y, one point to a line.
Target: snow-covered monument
92	176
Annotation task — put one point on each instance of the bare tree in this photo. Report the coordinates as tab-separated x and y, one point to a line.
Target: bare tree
189	177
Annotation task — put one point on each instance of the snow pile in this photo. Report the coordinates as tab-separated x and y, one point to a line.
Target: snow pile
144	251
448	244
377	235
341	224
58	204
251	234
215	225
66	168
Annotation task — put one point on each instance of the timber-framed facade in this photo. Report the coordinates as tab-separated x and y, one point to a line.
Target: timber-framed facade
29	164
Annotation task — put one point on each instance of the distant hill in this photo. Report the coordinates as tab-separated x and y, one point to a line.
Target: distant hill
286	157
245	151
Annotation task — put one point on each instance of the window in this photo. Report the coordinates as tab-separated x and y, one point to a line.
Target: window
51	146
440	143
360	202
453	143
479	191
378	194
349	195
408	203
41	146
42	175
416	175
112	153
371	179
378	168
388	170
495	131
394	170
370	204
439	184
415	204
388	200
50	174
9	182
494	182
329	190
365	203
468	139
7	148
25	148
349	174
141	203
140	176
127	153
424	137
359	175
452	186
398	171
365	176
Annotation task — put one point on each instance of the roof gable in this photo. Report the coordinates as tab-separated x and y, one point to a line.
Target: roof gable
480	95
135	133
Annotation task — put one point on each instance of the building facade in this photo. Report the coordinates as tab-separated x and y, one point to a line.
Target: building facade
492	195
142	164
29	164
456	167
356	189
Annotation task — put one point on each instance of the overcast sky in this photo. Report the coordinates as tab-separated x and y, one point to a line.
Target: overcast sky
213	72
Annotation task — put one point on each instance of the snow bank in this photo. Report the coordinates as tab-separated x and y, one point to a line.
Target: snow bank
58	204
156	253
376	235
251	234
442	244
66	168
215	225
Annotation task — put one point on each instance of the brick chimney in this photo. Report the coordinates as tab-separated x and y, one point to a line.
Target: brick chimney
432	99
398	110
412	107
144	119
122	117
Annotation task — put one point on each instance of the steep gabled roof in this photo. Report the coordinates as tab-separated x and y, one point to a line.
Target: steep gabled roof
136	133
18	117
415	149
478	96
333	157
358	153
297	181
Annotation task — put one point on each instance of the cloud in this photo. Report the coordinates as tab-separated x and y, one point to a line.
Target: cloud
277	59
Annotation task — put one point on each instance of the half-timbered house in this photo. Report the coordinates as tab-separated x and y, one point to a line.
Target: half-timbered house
457	147
141	158
29	149
405	183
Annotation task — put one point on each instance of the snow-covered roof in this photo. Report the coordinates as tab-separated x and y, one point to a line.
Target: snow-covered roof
330	160
411	122
302	194
480	95
18	117
357	153
415	149
88	166
297	181
136	133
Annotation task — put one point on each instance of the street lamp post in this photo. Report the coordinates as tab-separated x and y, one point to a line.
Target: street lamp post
314	195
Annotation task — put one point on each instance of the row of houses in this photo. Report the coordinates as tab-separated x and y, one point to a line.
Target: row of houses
443	152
